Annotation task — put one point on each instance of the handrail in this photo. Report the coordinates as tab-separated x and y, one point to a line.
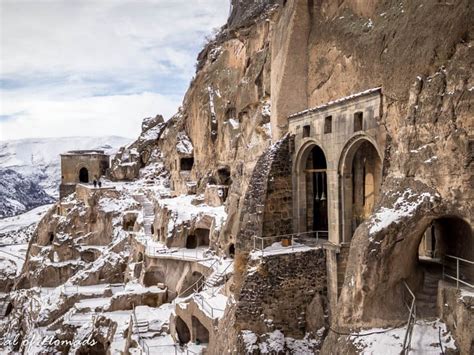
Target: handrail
135	320
411	321
293	237
203	302
178	295
456	278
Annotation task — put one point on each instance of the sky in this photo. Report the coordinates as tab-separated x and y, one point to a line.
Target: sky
97	67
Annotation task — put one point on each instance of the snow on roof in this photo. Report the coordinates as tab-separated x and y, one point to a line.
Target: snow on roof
183	210
336	102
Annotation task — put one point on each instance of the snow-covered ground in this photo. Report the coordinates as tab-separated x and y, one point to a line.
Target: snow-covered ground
23	220
425	339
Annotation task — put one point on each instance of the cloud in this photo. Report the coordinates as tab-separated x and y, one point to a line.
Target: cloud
68	63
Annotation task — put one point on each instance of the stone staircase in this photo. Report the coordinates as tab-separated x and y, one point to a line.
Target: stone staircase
148	213
426	297
141	326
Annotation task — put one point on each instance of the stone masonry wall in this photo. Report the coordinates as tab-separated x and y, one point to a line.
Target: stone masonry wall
277	217
268	203
279	291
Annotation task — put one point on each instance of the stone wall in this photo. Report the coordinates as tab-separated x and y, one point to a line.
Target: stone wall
278	291
268	199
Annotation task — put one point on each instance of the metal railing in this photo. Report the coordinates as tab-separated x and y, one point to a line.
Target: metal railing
206	306
459	277
411	320
289	241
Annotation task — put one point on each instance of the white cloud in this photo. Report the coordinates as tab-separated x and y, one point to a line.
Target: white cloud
58	55
89	116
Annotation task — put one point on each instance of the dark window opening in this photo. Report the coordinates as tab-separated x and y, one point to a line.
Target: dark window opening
186	164
328	124
8	310
51	237
152	230
358	121
232	250
306	131
191	242
224	176
84	175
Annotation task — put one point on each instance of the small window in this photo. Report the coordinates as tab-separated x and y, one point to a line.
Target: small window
358	121
306	131
186	164
328	124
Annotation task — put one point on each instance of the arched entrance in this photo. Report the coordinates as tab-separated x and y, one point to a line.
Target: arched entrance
444	250
184	335
84	175
315	196
361	176
200	331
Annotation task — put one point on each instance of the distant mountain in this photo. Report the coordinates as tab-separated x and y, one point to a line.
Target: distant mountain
30	169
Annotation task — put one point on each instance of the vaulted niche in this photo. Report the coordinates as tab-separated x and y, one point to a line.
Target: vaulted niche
316	191
361	179
186	164
445	251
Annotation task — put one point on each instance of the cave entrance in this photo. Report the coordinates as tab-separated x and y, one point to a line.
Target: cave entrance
361	174
201	333
444	252
84	175
191	242
186	164
232	250
182	330
202	236
316	195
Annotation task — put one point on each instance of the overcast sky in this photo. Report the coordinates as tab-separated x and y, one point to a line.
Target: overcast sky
97	67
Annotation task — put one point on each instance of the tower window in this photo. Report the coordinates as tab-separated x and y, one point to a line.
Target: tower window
358	121
328	124
306	131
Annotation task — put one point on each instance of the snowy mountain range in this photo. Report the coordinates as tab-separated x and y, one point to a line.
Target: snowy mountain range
30	169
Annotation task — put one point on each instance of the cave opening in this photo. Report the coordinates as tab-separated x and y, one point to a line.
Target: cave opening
186	164
200	331
445	251
232	250
191	242
184	335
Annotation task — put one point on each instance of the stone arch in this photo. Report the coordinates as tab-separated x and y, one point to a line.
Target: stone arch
201	333
445	238
182	330
83	175
360	173
312	195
